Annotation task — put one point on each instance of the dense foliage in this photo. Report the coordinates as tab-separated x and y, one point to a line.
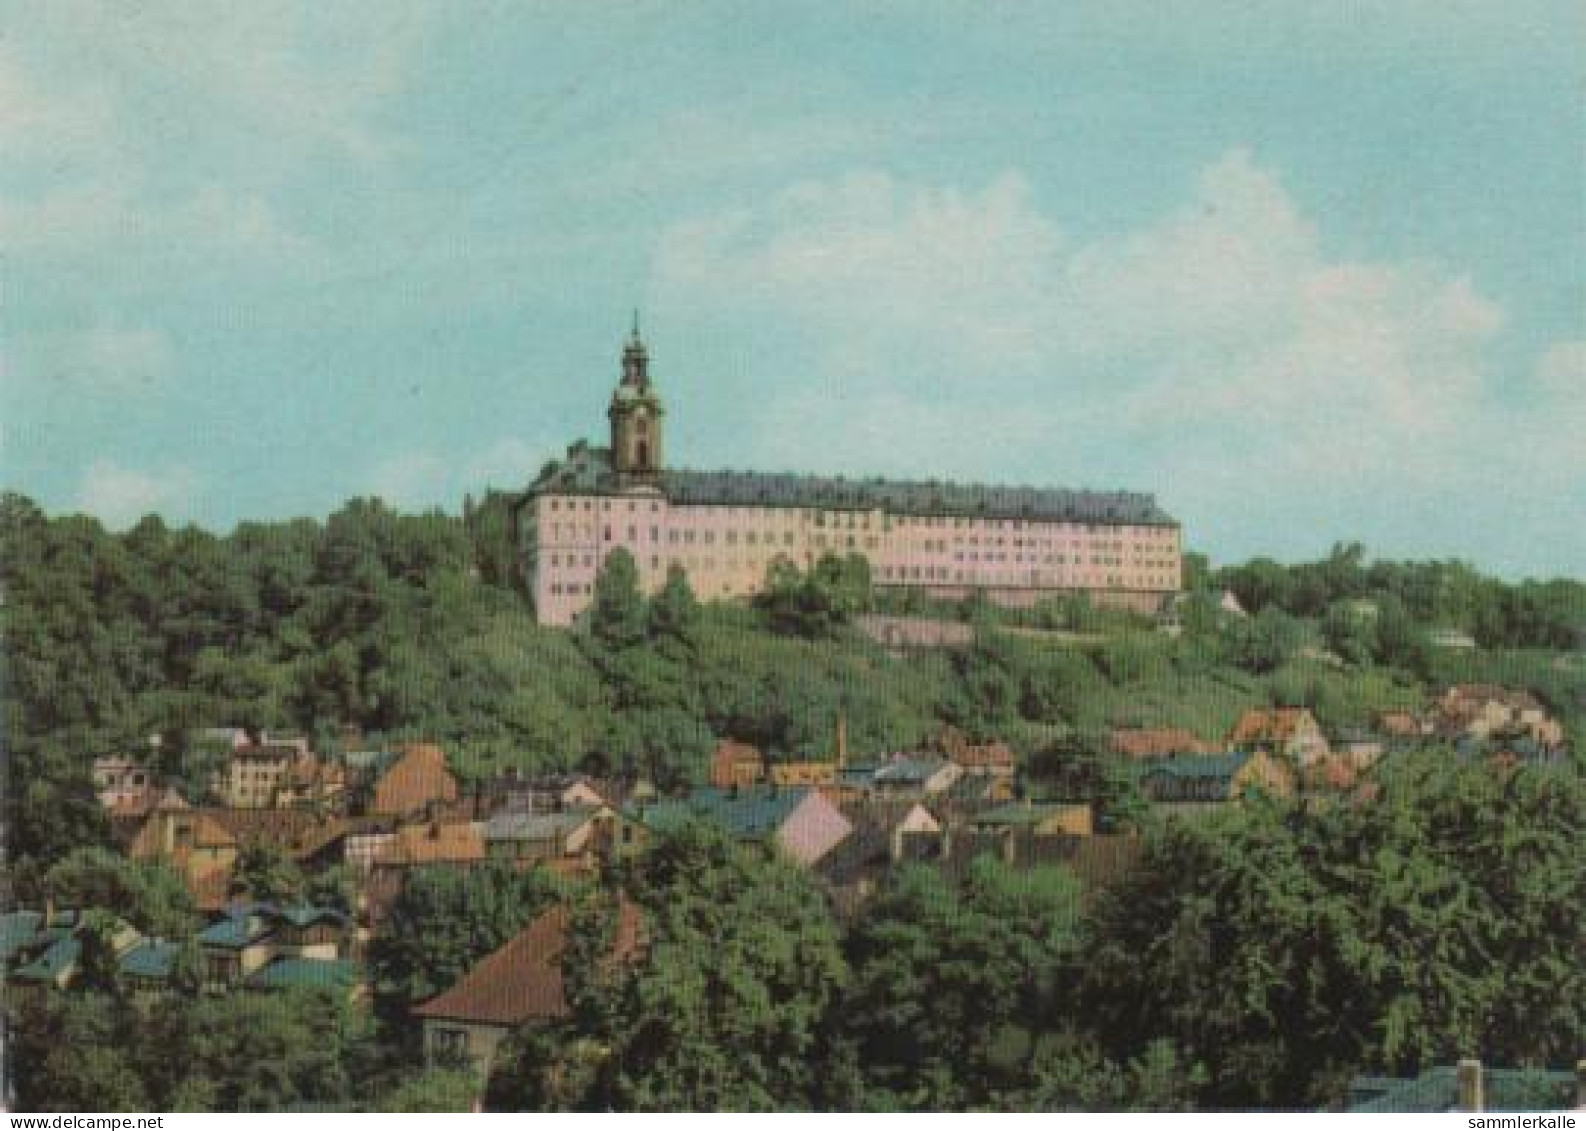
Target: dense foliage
1260	959
1256	959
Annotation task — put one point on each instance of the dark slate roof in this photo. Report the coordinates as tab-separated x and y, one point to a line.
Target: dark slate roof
59	957
908	771
1437	1089
750	812
536	826
151	958
18	929
237	930
587	470
314	973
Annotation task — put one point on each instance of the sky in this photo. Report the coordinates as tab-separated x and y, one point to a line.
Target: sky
1308	272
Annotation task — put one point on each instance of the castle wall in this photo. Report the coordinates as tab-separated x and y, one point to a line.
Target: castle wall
726	551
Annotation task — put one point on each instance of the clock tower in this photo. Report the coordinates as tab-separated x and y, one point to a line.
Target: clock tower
636	419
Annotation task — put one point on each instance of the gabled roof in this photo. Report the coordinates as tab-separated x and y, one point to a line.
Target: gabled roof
978	754
1157	742
750	812
414	780
909	771
522	981
310	973
1437	1089
18	929
434	843
151	958
587	470
538	826
1026	812
238	929
56	959
308	914
1275	724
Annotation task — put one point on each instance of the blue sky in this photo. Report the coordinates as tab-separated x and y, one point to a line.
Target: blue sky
1307	272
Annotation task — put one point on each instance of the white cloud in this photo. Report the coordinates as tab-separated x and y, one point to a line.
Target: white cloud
1219	353
420	479
120	496
506	465
411	480
96	115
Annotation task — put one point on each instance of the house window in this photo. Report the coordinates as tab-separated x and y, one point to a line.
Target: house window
451	1042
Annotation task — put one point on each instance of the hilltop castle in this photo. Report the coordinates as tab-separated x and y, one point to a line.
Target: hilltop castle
725	528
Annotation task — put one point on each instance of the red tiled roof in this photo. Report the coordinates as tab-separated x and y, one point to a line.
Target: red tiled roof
1399	723
729	756
973	755
434	843
1159	742
522	981
414	780
1334	772
1276	724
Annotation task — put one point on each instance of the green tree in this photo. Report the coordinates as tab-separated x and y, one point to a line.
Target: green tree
723	1011
435	1089
674	613
953	983
617	615
148	895
444	920
1288	948
264	872
817	605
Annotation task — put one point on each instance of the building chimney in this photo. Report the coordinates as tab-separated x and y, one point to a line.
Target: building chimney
897	843
1470	1085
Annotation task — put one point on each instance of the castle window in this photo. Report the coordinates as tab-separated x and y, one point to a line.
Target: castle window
607	532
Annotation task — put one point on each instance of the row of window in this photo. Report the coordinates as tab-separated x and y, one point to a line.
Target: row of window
687	537
861	519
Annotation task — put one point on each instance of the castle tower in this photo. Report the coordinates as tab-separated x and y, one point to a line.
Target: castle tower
636	419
